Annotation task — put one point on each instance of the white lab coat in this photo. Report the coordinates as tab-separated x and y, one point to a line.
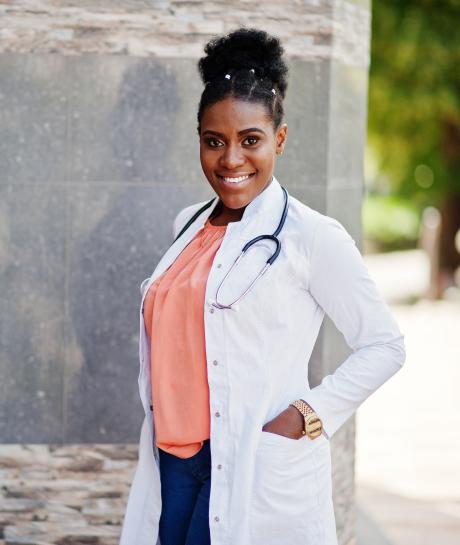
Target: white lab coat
267	489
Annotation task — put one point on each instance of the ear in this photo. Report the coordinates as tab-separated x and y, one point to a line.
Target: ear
281	137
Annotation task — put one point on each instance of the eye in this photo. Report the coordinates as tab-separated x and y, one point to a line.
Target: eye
209	142
252	138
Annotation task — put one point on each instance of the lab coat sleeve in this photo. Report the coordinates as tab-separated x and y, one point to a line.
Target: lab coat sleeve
341	285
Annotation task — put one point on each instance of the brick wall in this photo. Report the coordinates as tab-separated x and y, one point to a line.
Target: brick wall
314	29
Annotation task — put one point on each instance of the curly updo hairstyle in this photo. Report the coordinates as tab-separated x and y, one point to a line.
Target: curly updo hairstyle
253	60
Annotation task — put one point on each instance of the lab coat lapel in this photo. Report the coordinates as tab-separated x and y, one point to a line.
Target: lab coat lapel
168	258
260	216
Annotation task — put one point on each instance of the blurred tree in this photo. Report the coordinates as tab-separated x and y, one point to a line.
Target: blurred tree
414	110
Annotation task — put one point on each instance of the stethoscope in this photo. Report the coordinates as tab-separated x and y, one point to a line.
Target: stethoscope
270	260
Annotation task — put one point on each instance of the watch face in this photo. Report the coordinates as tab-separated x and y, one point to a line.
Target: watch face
313	426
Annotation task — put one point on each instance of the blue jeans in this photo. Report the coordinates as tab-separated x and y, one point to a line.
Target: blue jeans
185	489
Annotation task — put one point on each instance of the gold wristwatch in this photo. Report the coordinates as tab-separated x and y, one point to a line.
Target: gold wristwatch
313	425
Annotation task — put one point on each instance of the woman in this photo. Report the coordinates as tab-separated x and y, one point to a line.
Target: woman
235	446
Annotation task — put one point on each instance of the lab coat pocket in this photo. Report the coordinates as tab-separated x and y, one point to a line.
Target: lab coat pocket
287	488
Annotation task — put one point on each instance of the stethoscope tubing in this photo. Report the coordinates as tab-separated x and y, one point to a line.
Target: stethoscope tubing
273	237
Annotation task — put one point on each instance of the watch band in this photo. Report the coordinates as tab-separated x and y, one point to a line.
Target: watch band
313	425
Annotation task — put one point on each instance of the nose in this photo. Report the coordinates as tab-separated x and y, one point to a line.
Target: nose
232	157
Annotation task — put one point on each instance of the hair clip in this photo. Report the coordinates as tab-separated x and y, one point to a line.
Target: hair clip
227	76
273	91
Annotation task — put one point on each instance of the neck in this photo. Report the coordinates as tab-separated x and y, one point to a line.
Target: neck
222	215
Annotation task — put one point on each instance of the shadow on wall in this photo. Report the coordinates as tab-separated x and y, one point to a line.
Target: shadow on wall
132	228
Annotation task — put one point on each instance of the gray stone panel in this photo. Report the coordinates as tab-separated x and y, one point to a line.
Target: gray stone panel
311	195
98	119
345	204
134	120
306	113
34	110
343	461
32	308
117	235
347	124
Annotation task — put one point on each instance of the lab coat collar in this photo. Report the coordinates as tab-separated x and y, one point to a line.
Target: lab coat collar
263	209
266	201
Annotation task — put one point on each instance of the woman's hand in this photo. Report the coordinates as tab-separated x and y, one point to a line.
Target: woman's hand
289	423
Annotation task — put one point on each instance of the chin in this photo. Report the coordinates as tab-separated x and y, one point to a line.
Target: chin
235	202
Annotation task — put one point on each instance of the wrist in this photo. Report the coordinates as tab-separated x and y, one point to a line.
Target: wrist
313	425
297	417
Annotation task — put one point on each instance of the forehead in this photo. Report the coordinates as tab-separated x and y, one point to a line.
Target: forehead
232	114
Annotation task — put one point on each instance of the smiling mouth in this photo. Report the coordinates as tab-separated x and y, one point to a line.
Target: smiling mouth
235	180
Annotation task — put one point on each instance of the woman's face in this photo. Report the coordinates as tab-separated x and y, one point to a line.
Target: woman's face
238	148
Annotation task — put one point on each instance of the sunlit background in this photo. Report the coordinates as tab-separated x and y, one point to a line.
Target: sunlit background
408	432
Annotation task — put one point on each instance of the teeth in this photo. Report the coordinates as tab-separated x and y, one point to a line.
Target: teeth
235	180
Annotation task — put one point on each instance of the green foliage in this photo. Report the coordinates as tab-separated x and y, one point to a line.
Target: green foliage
390	222
414	96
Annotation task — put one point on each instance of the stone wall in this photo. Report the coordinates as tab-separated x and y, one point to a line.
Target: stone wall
309	29
64	495
98	150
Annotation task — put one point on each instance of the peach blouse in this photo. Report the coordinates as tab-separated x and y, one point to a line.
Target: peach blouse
174	322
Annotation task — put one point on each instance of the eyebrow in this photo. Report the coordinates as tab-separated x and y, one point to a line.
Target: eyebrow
244	131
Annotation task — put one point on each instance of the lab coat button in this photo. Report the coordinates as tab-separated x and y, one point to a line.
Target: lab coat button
214	362
211	310
216	519
219	466
217	414
219	265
